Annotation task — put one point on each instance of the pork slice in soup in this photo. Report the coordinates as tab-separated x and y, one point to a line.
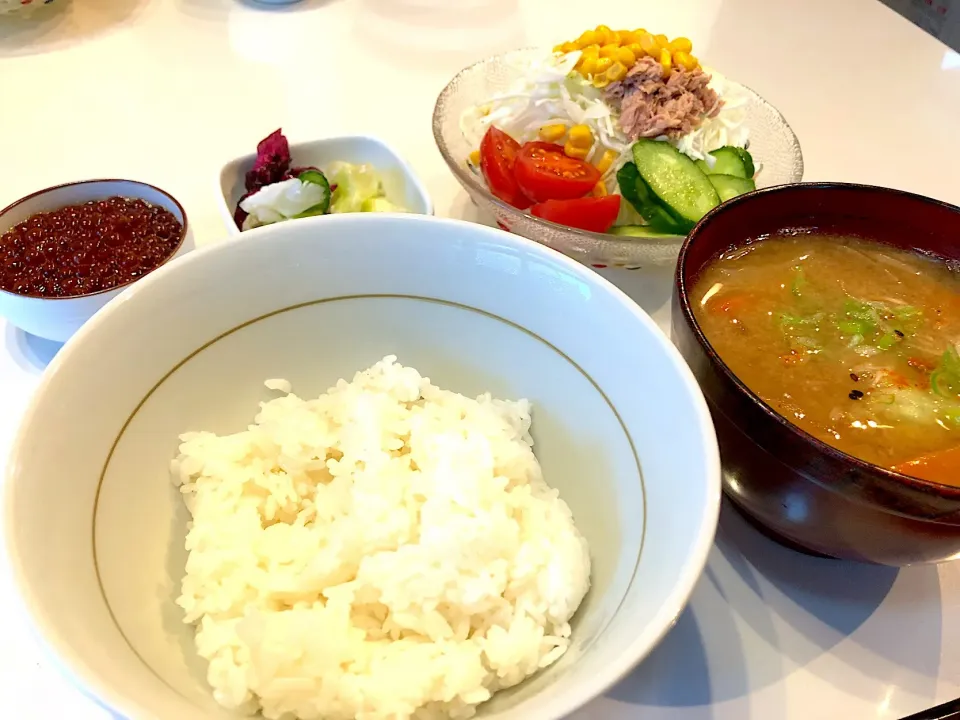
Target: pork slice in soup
855	342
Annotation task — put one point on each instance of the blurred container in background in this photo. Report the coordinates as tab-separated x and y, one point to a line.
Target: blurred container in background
940	18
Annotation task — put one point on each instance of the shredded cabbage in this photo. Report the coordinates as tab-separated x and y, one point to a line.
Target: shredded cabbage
548	92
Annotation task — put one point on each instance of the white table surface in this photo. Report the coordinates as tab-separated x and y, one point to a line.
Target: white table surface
167	90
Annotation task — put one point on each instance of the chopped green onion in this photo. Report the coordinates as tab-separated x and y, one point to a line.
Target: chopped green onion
887	341
853	327
863	315
907	312
945	380
788	321
799	281
951	361
935	377
942	384
858	309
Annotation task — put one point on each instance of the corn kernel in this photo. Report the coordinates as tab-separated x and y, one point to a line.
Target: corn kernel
681	44
609	51
636	49
475	157
575	152
603	34
628	37
590	51
569	47
587	66
588	59
649	44
600	81
581	136
625	55
552	133
606	161
684	60
666	61
662	40
599	190
558	48
603	64
589	37
616	72
638	32
614	37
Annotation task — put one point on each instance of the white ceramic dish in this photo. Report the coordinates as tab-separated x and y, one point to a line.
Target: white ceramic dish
95	529
400	183
58	318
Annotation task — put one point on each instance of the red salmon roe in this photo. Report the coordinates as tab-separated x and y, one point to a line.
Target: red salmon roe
86	248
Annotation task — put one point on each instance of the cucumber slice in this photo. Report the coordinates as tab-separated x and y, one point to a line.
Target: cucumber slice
675	179
641	231
729	162
740	166
729	186
661	218
638	193
316	178
627	177
747	160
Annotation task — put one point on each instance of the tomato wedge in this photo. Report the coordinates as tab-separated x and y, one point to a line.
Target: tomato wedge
498	153
596	214
544	173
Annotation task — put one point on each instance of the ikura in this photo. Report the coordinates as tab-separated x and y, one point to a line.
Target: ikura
86	248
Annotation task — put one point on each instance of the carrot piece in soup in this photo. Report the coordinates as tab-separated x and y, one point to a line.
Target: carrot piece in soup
942	467
729	303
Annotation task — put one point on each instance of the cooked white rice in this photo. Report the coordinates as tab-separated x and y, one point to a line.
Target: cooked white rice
388	550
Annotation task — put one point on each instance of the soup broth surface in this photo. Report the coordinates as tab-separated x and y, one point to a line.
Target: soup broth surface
853	341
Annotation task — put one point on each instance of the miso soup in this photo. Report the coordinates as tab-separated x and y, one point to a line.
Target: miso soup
853	341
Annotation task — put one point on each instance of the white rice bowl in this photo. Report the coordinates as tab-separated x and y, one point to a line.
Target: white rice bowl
95	530
387	550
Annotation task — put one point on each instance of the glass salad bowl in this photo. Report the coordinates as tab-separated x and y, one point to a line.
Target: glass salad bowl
772	144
